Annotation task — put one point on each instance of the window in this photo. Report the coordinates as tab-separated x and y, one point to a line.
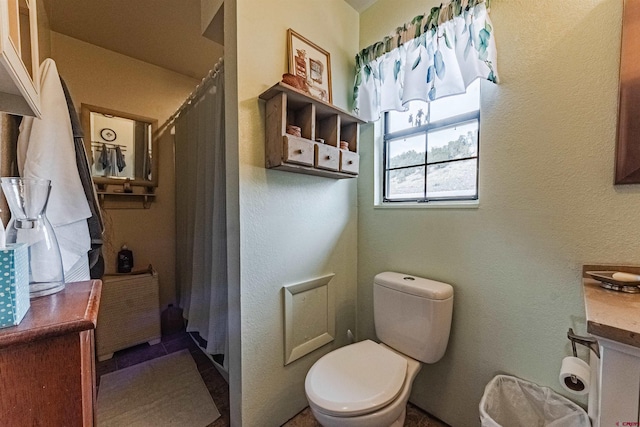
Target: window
430	151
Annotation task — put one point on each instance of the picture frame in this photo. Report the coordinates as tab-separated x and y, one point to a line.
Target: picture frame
627	162
311	63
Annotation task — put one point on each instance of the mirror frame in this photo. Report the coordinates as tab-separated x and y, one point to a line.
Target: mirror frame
86	110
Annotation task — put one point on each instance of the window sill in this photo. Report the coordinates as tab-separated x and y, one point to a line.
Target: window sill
466	204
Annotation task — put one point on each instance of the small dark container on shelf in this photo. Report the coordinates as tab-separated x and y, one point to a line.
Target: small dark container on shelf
125	260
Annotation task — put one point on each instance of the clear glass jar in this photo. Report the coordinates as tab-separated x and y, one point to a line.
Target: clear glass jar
27	199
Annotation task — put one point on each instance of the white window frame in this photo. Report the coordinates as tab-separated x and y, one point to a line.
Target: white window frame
379	171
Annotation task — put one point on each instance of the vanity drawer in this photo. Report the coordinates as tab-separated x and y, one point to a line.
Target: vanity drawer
349	162
327	157
298	151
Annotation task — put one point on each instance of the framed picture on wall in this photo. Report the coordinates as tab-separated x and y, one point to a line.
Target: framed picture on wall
627	147
311	63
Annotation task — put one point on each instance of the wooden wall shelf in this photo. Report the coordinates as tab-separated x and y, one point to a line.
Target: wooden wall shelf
125	200
286	105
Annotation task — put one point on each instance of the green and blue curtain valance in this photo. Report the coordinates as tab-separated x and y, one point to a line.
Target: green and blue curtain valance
435	55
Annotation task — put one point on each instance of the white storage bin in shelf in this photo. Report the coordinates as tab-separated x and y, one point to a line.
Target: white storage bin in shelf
298	151
327	157
349	162
19	58
316	119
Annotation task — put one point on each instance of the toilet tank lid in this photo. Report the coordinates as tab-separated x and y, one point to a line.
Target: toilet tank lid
419	286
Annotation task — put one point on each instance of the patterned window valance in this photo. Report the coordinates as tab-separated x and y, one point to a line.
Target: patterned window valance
435	55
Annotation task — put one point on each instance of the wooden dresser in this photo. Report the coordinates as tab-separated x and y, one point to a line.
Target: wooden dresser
47	365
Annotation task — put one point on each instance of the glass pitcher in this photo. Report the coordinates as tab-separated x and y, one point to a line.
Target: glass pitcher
27	199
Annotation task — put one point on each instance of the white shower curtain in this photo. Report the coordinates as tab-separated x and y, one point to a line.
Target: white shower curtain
201	240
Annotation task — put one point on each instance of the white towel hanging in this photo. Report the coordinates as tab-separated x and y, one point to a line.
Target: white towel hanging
46	150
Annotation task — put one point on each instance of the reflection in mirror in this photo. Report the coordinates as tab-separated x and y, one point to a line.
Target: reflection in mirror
120	146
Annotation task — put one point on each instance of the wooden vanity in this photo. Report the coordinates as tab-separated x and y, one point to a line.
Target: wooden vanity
47	365
614	319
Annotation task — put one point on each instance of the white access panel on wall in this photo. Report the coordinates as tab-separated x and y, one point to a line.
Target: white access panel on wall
309	317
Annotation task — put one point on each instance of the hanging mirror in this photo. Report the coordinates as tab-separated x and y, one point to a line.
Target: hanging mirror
121	147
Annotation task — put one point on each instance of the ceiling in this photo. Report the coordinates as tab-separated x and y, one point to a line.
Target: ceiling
360	5
165	33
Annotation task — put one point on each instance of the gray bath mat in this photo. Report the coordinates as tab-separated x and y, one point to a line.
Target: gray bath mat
167	391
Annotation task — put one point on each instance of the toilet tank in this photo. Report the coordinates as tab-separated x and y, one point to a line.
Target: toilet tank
413	314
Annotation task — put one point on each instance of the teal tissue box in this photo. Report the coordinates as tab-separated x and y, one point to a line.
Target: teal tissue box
14	284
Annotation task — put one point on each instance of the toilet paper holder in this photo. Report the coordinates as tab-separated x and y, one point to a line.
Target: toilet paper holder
590	342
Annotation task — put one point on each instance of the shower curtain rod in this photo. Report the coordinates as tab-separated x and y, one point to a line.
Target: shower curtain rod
194	95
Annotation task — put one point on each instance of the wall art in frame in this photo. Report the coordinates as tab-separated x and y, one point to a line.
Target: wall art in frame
628	143
310	62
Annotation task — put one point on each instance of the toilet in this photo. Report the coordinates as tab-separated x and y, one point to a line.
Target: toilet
367	384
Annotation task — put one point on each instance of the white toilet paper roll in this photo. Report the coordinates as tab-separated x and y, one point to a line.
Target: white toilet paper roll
575	375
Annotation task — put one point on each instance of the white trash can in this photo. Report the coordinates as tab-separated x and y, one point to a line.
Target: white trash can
511	402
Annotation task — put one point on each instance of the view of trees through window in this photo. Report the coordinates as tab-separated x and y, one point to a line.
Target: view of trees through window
428	160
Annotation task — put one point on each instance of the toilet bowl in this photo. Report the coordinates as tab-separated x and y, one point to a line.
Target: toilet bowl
367	384
376	394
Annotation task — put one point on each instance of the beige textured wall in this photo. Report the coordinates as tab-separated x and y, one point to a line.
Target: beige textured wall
44	32
547	202
293	227
101	77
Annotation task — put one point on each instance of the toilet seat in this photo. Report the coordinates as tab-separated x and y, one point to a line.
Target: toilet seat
356	379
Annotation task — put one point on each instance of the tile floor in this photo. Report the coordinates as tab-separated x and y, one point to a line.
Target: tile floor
416	417
217	386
